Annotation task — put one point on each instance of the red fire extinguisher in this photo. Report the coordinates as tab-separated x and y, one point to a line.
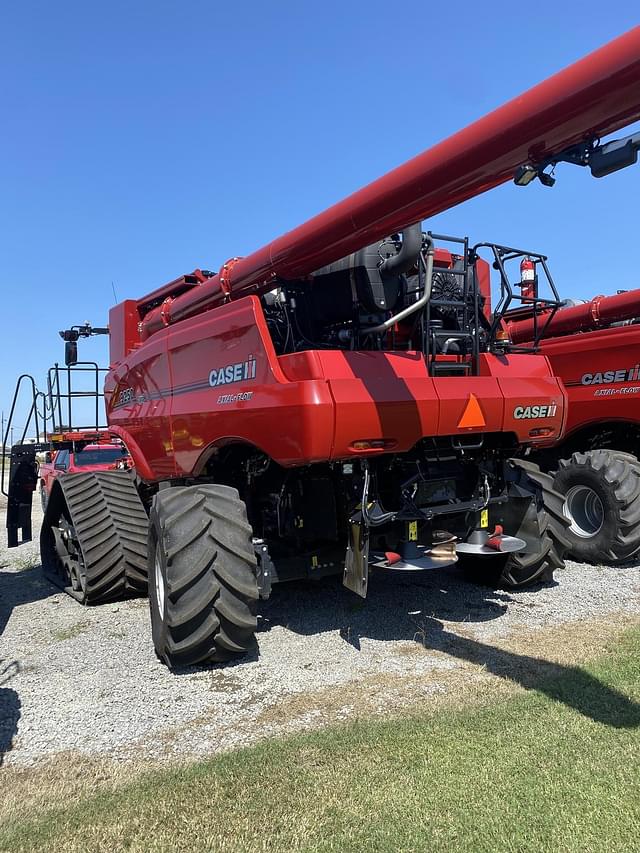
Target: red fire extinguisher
528	278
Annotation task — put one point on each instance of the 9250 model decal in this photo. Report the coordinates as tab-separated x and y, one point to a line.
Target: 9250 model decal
238	372
127	395
241	371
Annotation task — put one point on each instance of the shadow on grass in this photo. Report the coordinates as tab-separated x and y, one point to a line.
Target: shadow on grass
410	610
573	686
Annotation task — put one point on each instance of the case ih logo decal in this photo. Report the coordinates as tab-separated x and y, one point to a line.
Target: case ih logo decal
238	372
631	374
533	412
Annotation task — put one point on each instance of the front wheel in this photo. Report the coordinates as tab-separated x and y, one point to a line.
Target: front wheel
601	491
203	588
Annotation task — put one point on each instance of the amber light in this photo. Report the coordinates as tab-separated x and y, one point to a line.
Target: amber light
372	444
541	432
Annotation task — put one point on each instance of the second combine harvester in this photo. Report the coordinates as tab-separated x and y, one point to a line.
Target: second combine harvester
311	408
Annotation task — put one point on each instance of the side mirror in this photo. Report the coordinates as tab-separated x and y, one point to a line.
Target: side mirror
70	353
48	457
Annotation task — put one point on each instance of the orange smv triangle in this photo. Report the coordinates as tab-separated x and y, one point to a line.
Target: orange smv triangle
472	415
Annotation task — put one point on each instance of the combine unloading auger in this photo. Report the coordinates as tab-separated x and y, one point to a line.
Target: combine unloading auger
590	99
593	346
597	313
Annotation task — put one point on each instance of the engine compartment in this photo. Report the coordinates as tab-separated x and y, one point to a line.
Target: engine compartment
441	308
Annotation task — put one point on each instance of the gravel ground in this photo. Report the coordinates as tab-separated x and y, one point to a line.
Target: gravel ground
86	680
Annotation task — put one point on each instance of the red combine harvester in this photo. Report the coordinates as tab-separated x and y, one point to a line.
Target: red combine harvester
595	348
336	401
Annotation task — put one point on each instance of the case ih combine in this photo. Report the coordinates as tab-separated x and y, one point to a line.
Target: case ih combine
595	348
339	399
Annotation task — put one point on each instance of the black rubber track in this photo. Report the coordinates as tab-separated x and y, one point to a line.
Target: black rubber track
544	528
108	522
615	477
202	541
132	524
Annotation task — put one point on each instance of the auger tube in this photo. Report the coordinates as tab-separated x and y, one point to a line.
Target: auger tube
598	312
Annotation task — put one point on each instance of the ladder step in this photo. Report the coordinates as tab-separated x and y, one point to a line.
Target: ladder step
444	368
451	333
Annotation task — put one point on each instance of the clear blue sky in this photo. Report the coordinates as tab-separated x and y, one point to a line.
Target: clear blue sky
142	139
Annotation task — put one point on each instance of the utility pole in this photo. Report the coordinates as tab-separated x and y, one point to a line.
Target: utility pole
3	421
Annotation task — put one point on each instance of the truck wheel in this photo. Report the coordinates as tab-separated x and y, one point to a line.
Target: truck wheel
43	497
203	589
601	491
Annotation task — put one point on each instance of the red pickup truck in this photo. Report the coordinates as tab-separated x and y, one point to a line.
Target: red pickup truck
92	457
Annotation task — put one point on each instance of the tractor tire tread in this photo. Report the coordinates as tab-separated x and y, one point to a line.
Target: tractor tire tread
619	472
209	567
538	566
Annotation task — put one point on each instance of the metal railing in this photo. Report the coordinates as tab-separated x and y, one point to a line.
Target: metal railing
61	395
542	309
53	411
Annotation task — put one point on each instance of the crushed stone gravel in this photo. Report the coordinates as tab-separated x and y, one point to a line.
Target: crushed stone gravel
86	680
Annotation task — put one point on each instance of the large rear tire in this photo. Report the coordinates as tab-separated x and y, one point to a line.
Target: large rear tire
543	526
203	590
601	491
533	513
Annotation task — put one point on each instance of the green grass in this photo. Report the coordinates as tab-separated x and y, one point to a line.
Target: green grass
555	768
